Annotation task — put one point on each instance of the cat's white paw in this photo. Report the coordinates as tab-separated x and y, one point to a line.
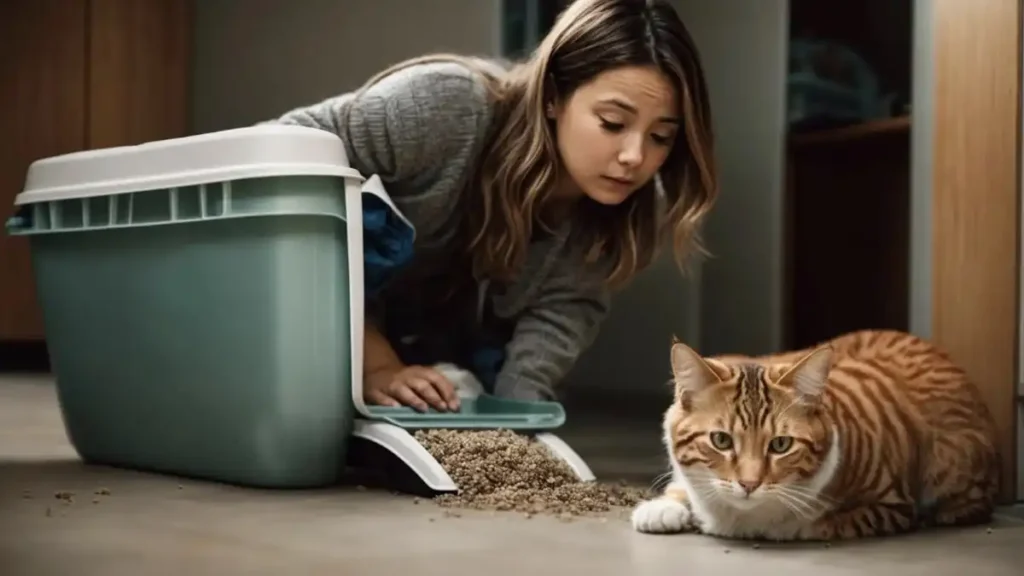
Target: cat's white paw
661	516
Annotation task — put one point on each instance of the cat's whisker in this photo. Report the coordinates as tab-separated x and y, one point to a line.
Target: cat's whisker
707	491
701	476
716	485
807	503
812	497
661	480
719	485
796	488
700	471
811	504
795	506
808	492
711	497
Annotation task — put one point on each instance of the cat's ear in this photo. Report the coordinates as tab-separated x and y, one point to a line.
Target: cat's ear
690	372
809	376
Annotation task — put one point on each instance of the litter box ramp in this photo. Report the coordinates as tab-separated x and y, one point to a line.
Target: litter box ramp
385	441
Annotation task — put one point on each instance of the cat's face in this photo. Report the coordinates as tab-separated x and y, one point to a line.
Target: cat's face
746	433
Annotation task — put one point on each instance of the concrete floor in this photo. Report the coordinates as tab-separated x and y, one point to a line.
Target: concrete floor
162	525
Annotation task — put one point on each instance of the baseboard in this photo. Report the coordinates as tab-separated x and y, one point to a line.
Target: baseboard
643	403
20	356
1014	512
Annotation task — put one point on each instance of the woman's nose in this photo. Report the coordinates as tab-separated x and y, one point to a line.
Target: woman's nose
632	152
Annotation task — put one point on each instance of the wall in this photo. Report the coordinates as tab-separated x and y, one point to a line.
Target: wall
923	79
744	47
1020	325
255	59
632	352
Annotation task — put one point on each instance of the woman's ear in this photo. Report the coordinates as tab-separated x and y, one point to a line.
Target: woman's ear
550	98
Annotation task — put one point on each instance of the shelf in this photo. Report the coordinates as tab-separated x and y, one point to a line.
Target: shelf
897	125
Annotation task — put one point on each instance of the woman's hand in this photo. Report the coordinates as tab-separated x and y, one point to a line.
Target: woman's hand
418	387
389	382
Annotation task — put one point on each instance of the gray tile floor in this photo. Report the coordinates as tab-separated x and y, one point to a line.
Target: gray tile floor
162	525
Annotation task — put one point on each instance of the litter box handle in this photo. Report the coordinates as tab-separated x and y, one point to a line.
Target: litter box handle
356	289
20	221
15	223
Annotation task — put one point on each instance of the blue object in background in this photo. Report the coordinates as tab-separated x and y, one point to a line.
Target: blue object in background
486	363
22	218
388	244
828	82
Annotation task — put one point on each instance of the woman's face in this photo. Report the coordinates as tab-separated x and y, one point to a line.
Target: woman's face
615	132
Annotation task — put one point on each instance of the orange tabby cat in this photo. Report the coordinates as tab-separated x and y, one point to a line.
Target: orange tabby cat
873	433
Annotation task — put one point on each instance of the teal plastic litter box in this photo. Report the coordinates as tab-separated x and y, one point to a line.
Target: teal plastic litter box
203	305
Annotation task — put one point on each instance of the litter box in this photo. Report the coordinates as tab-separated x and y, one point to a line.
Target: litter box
203	305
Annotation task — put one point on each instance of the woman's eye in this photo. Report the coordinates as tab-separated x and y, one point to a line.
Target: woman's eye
611	126
721	440
661	140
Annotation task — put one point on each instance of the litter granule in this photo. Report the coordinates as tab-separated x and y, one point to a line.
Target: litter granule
504	471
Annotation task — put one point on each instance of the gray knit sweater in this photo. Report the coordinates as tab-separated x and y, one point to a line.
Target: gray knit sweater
421	130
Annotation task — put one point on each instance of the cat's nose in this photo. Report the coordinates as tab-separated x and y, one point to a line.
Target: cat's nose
749	485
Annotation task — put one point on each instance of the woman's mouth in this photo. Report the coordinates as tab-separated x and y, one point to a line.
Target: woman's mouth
623	182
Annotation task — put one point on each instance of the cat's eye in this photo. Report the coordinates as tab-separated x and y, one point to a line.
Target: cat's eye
721	440
780	444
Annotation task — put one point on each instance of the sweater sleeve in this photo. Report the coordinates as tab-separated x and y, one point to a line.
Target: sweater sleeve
558	326
418	130
408	126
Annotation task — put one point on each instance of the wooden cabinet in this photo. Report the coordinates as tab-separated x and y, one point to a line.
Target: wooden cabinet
847	199
976	205
847	230
80	74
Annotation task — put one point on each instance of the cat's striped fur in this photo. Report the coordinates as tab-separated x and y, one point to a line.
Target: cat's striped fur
873	433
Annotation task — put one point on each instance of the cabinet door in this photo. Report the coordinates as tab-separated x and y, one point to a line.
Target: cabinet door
138	84
42	113
80	74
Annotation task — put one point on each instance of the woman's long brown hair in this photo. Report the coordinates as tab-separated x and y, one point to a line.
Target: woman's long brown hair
520	163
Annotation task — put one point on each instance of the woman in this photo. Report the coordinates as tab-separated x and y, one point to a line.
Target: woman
533	191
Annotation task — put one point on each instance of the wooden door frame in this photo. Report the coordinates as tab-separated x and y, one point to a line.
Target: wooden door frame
975	216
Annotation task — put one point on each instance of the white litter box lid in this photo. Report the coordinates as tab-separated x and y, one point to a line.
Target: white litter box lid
253	152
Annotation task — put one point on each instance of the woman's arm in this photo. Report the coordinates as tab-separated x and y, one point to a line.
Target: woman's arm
387	381
409	125
378	355
549	337
416	129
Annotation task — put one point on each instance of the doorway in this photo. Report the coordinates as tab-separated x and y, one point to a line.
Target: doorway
848	159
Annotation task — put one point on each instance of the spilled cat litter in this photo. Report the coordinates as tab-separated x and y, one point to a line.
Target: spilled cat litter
500	470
